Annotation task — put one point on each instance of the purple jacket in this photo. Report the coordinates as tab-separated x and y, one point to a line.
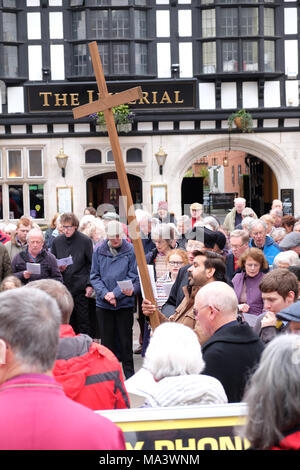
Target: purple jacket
253	293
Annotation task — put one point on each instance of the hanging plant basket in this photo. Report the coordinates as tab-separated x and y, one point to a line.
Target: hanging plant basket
242	119
123	118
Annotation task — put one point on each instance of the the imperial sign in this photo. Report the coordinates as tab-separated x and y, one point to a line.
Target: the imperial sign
156	94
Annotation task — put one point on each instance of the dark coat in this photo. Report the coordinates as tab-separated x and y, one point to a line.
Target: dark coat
230	356
49	268
176	295
77	275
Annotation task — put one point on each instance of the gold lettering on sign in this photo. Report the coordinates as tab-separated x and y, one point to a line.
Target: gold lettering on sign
59	98
74	99
177	92
165	98
154	97
45	95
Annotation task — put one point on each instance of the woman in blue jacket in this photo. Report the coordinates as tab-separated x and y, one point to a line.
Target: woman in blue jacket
114	260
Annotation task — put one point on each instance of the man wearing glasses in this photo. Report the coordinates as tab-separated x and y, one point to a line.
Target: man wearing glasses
75	250
230	348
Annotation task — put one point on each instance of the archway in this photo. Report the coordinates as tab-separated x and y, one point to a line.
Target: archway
267	168
105	189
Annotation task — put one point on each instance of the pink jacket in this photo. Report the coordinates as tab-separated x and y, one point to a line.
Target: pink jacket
36	415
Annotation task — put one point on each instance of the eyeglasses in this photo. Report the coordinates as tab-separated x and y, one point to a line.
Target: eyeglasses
176	263
196	311
67	227
252	265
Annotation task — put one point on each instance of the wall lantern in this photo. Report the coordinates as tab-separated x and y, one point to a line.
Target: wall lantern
62	160
161	157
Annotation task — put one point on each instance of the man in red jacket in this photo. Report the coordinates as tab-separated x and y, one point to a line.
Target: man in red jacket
35	412
89	372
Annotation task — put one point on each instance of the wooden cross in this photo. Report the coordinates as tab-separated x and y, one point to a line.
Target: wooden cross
105	104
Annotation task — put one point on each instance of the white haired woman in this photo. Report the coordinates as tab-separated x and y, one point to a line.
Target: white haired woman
272	396
175	361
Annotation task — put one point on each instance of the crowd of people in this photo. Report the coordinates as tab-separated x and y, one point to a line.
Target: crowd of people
226	294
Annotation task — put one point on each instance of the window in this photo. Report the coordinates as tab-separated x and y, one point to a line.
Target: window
122	34
245	36
134	155
249	21
269	56
10	61
93	156
120	59
16	203
26	196
109	157
230	56
36	201
78	25
250	56
229	22
208	23
14	164
269	23
233	175
209	59
9	27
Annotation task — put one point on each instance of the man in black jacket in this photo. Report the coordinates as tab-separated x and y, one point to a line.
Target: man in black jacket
230	348
77	251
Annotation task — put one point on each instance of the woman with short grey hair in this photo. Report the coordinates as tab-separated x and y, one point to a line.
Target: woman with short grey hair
272	396
175	361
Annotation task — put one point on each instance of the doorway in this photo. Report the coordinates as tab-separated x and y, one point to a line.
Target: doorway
104	189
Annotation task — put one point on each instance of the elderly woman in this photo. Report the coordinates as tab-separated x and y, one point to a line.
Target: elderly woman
246	283
114	260
272	396
285	259
278	234
175	361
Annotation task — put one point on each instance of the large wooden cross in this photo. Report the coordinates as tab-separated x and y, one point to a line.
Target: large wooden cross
105	103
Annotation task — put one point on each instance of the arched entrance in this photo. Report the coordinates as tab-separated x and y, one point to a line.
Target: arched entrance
105	189
258	181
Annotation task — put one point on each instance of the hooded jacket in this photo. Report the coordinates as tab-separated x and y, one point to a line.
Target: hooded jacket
89	373
108	269
230	355
270	250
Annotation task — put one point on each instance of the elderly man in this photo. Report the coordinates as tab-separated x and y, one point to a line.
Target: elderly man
239	242
291	242
35	412
260	239
77	248
89	373
36	262
230	349
234	217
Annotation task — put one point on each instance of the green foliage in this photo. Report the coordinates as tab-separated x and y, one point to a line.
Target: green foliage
122	115
246	120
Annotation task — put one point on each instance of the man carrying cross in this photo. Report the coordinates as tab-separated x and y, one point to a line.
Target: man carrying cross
105	104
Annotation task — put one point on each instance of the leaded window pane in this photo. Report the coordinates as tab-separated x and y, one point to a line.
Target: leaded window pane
120	23
230	56
208	23
229	22
209	61
249	21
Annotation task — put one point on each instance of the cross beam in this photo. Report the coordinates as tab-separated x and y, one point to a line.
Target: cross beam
105	104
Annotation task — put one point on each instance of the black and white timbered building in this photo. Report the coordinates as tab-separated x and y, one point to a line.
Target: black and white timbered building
196	60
